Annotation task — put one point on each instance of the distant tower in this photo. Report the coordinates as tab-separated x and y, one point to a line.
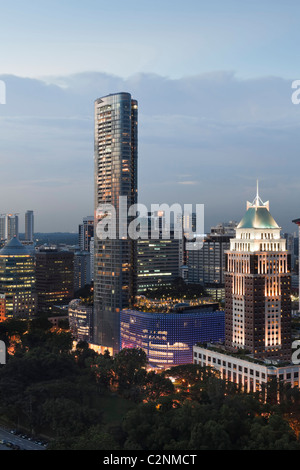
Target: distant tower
86	233
9	226
29	226
257	287
82	269
115	259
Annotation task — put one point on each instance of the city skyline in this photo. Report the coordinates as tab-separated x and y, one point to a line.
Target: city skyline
215	106
148	308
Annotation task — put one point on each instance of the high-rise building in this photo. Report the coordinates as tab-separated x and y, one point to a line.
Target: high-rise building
160	257
29	226
9	226
92	255
297	222
17	281
116	133
206	266
258	343
82	269
86	233
258	283
80	319
54	278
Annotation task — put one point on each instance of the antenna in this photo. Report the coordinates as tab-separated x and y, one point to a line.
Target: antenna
257	201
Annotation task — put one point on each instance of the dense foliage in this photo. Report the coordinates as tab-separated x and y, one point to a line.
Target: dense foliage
83	400
178	289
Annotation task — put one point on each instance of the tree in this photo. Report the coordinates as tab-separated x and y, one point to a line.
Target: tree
156	385
127	366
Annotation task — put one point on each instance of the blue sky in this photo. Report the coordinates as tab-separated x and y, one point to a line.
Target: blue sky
170	38
213	81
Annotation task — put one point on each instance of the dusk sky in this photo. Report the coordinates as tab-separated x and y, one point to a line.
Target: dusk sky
214	83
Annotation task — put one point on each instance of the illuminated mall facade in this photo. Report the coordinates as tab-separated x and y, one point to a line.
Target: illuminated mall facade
257	306
168	337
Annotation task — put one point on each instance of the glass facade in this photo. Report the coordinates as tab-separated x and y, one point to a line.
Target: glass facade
168	338
17	281
80	320
54	278
115	257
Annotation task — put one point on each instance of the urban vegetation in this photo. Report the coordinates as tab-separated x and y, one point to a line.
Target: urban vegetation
79	399
178	289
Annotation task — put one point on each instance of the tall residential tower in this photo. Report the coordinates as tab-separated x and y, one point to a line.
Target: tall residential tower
116	130
29	226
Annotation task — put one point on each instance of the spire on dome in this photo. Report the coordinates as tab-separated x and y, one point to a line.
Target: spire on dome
258	202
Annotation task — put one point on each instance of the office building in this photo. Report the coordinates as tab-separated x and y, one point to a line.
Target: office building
92	257
252	376
257	306
86	233
82	269
258	283
116	135
297	222
80	320
159	259
54	278
17	281
29	226
206	266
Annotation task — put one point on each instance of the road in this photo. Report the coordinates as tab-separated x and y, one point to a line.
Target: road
23	443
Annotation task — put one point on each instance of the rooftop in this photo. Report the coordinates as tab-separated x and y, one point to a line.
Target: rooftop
258	215
14	247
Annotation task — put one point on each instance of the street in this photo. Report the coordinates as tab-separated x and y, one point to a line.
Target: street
9	440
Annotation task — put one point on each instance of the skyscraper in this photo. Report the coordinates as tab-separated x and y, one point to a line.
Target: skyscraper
257	284
116	131
206	266
297	222
258	347
17	281
9	226
86	233
54	278
159	259
29	226
82	269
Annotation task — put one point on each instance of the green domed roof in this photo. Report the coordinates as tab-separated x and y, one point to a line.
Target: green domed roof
13	248
258	217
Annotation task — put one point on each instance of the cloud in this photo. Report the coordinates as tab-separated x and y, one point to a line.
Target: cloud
202	139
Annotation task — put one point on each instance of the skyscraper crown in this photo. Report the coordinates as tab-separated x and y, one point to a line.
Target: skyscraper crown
258	215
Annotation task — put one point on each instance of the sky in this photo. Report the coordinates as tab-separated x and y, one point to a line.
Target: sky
214	84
